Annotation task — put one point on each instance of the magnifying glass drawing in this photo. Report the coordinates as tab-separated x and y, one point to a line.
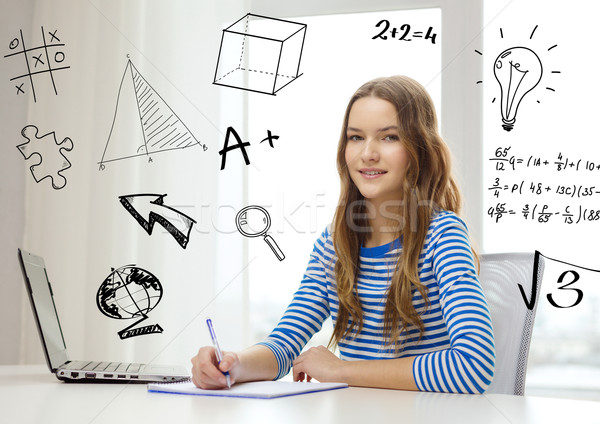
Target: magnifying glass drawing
254	221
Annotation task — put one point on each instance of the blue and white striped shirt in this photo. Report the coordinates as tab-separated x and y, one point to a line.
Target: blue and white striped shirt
456	353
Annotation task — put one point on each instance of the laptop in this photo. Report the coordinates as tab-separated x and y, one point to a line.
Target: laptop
55	349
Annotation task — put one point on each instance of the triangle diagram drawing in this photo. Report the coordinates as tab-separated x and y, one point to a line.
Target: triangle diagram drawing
143	123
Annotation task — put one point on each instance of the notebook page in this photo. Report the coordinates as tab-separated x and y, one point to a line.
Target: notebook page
258	389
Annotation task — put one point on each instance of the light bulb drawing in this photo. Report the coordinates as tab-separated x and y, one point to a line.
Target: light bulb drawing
518	70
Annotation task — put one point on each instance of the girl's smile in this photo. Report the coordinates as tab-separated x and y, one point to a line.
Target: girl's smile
372	172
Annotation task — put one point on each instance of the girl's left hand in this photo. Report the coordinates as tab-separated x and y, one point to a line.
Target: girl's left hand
319	363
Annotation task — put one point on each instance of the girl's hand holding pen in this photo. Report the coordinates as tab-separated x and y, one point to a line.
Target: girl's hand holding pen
207	372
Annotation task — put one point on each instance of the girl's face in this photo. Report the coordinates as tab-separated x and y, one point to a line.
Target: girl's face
375	156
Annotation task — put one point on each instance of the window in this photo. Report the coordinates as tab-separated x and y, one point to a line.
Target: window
296	180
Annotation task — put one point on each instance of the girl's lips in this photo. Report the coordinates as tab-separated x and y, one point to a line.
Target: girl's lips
371	173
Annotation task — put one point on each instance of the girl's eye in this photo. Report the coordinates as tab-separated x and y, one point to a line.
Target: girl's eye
354	138
391	138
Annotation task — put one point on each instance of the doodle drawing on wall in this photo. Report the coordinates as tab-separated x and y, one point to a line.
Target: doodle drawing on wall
130	292
41	61
255	221
158	130
260	54
50	154
518	70
152	206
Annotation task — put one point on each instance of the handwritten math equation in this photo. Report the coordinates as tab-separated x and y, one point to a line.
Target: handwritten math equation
402	33
543	213
539	188
541	198
505	161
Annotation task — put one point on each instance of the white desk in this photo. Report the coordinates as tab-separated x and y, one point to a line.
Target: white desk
30	394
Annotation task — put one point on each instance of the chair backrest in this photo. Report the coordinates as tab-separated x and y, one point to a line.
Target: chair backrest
513	312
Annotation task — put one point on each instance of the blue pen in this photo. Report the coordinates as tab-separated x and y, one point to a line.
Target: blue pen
213	336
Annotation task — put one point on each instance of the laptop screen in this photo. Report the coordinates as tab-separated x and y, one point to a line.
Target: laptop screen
42	302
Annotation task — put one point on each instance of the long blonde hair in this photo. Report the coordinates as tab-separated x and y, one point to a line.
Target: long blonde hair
426	187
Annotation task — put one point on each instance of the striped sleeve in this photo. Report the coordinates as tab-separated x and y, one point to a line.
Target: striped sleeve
468	365
305	314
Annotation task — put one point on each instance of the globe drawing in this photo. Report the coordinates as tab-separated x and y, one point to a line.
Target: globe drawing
128	292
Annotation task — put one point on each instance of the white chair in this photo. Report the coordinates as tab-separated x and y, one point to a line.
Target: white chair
511	283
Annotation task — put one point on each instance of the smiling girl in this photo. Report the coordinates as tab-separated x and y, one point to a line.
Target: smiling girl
395	269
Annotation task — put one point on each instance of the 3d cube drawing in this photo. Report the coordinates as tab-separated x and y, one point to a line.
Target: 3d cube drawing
260	54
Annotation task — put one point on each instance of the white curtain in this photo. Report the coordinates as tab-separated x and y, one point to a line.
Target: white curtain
82	230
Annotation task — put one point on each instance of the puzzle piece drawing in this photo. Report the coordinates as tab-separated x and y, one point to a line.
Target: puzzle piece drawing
50	160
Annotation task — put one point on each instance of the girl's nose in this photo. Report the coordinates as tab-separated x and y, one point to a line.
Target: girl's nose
370	152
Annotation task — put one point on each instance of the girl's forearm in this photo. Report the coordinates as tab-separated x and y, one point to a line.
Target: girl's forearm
384	373
257	363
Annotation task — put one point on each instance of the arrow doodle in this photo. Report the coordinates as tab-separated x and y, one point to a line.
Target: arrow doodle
156	210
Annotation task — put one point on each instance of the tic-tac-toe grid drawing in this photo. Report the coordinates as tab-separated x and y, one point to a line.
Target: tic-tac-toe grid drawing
39	63
260	54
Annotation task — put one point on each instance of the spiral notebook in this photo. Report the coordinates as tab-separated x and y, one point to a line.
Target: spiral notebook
257	389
